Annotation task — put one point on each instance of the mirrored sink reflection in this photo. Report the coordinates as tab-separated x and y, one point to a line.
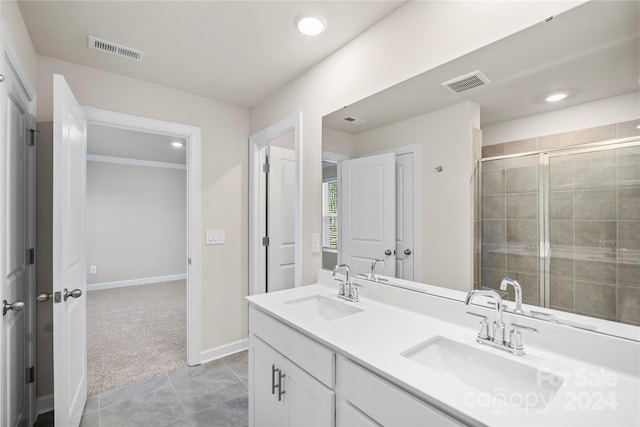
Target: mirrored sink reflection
324	308
501	379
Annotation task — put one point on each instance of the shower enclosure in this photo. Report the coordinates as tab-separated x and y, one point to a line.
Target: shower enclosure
565	223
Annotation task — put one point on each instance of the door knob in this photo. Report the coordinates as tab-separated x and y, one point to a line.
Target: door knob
16	306
44	296
73	294
407	251
387	252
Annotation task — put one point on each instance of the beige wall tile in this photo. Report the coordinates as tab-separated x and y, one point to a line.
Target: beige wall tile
522	146
562	292
629	203
493	150
627	129
596	134
629	304
557	140
629	235
522	206
596	204
628	273
597	271
596	298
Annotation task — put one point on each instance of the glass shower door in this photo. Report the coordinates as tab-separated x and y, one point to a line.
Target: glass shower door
510	200
593	212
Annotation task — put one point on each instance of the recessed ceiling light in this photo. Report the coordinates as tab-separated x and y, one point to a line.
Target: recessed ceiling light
555	97
177	144
638	127
311	25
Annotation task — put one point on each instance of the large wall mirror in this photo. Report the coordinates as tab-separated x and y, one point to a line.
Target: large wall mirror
466	174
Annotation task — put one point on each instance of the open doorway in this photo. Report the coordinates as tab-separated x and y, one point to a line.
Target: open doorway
136	255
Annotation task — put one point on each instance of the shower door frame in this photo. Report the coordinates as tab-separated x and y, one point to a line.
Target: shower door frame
544	156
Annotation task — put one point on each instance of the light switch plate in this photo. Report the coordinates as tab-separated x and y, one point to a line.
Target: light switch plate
315	242
93	269
214	237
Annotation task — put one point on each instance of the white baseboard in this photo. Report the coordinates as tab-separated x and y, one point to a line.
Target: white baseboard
135	282
224	350
44	404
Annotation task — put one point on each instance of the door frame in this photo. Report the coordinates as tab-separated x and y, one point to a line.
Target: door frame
257	226
333	157
13	61
414	149
194	263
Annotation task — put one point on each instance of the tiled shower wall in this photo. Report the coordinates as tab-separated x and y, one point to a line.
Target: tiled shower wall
594	223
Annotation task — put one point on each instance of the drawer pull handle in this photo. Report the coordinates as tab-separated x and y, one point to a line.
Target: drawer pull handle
273	379
280	386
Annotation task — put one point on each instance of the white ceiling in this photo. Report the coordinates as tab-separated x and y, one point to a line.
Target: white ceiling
592	51
236	51
131	144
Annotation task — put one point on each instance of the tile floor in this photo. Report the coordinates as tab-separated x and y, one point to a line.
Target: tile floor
212	394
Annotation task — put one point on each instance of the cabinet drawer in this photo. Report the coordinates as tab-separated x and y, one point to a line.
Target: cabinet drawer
383	402
304	352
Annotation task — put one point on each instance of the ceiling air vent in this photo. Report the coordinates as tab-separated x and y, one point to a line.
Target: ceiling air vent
467	82
354	120
116	49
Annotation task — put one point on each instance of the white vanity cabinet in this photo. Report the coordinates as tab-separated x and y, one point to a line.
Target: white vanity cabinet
295	381
290	376
364	399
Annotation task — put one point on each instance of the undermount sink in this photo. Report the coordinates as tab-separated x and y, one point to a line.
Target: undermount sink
324	308
501	379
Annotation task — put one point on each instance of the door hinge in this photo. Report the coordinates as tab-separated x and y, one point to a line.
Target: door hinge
32	141
265	241
265	167
31	256
31	375
189	261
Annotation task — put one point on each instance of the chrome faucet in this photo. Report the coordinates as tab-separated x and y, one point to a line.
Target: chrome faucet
498	324
518	293
372	276
348	290
498	338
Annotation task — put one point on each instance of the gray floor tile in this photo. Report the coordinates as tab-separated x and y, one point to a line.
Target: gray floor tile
158	408
239	364
207	390
231	413
90	420
195	371
183	422
92	405
122	394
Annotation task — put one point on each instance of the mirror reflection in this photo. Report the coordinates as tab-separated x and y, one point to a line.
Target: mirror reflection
466	174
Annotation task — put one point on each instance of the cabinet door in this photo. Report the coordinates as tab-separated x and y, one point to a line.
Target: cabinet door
265	408
348	415
307	401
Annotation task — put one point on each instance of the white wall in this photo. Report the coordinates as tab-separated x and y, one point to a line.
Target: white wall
606	111
136	222
417	37
336	141
225	131
446	139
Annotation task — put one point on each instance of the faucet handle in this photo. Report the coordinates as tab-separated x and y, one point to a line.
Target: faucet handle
484	326
515	337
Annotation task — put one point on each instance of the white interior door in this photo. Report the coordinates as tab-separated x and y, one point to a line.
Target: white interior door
368	213
16	288
69	255
404	216
281	219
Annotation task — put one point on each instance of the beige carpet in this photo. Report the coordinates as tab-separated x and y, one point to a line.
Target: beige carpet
135	333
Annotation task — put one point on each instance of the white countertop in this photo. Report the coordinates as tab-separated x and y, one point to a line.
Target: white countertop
376	337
